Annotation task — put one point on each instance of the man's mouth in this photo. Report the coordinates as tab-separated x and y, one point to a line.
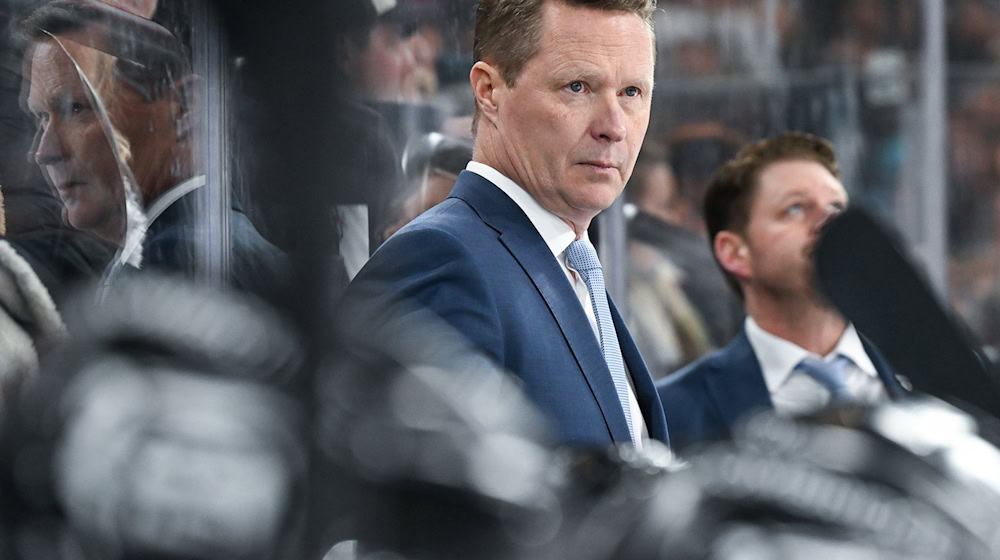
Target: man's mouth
68	189
603	166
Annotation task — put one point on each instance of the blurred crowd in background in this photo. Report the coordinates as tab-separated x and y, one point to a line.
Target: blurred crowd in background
727	72
315	132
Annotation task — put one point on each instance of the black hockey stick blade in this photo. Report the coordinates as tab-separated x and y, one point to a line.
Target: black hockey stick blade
864	271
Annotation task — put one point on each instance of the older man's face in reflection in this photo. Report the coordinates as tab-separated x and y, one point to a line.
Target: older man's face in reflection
71	148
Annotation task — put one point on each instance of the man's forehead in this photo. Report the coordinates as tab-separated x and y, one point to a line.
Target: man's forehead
52	54
554	12
801	168
796	176
617	38
48	65
54	63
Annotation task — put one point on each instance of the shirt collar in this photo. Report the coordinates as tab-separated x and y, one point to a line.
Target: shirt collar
171	196
778	357
556	232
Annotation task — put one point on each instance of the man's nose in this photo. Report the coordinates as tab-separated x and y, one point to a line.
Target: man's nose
609	123
48	146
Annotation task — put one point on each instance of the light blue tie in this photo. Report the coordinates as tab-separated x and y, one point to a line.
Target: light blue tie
583	259
830	375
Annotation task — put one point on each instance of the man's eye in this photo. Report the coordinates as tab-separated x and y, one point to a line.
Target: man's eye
631	91
794	209
577	87
77	108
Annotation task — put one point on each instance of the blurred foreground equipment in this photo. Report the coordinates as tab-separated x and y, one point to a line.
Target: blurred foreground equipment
161	431
910	480
168	430
868	275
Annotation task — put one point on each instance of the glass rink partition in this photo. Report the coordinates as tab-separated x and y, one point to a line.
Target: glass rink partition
189	185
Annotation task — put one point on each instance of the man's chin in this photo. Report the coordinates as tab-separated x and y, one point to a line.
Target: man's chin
76	218
598	199
584	212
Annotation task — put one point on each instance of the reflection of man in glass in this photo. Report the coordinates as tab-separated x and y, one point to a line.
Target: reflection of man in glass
71	147
145	82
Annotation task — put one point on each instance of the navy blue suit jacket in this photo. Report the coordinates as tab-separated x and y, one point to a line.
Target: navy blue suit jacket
704	400
478	262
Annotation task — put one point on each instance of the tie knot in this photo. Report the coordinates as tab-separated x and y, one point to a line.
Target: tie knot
582	257
829	374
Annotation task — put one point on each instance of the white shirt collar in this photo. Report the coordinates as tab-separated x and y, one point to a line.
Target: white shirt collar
778	357
171	196
556	232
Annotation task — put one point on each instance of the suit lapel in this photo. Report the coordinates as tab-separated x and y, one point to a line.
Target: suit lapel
526	245
736	382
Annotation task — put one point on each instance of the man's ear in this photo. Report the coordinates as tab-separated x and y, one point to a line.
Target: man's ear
732	253
488	88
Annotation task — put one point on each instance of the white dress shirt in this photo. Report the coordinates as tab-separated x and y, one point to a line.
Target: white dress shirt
795	392
557	235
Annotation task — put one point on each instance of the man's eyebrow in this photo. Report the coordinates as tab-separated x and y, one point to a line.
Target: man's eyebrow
794	193
52	101
643	81
575	72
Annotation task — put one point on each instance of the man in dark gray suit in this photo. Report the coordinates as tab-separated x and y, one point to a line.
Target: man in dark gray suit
764	210
116	102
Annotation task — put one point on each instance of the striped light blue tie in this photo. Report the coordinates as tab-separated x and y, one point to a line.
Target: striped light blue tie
583	259
830	375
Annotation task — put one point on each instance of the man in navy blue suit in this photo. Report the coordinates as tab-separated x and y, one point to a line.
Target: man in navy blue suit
764	209
562	91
